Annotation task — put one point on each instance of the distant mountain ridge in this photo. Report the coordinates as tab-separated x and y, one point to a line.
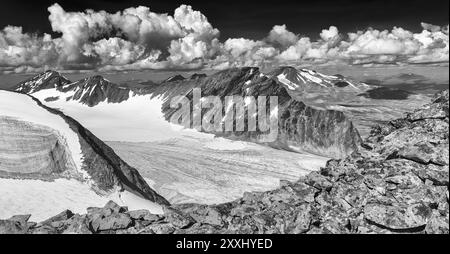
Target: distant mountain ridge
304	78
90	91
301	128
315	88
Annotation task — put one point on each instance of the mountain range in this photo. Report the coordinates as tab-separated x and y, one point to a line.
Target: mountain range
301	127
53	156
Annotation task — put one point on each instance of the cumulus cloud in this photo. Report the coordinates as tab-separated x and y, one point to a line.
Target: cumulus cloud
137	38
17	48
329	34
373	46
430	27
279	36
400	45
245	52
114	51
238	47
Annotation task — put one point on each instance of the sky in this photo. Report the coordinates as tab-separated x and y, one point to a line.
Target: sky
185	35
253	19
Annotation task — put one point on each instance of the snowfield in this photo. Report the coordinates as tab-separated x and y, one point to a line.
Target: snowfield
43	199
138	119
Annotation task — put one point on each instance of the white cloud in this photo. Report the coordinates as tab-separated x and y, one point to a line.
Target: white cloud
17	48
238	47
114	51
137	38
195	22
296	51
430	27
186	50
279	36
374	42
329	34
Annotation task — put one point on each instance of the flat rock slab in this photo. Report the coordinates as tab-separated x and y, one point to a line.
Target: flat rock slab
412	218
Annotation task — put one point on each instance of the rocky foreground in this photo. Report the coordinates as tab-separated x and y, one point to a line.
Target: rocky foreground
397	183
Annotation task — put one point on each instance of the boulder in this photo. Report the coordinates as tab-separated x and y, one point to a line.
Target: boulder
77	224
44	230
22	219
61	217
437	224
12	227
203	214
164	228
113	221
410	219
177	218
115	207
17	224
144	215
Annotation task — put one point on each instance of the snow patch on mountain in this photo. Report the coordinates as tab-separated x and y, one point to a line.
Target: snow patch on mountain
282	78
137	119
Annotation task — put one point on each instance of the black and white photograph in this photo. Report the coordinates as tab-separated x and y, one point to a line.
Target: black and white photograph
224	118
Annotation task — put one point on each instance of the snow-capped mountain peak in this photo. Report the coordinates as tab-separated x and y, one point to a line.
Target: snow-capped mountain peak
45	80
304	79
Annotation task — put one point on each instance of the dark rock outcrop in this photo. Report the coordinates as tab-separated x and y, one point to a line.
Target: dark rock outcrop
93	90
300	127
371	191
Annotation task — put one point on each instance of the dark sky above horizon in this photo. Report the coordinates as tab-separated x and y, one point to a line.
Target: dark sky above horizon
251	18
